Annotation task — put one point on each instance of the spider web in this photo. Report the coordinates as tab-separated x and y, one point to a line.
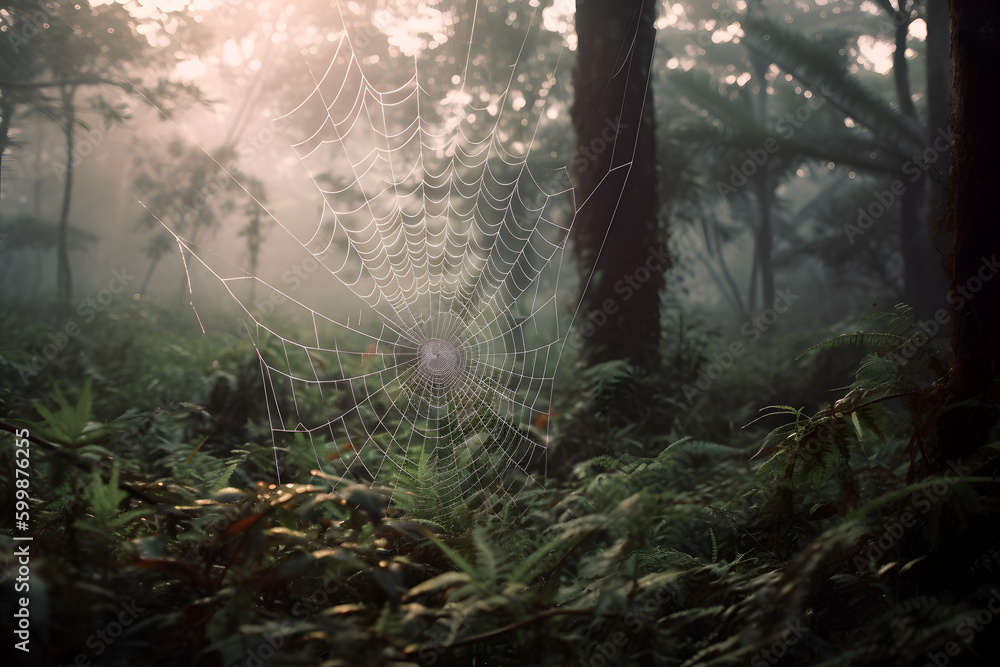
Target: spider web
444	212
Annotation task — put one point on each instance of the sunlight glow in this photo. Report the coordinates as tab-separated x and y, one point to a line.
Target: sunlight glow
413	30
870	7
189	70
559	19
875	54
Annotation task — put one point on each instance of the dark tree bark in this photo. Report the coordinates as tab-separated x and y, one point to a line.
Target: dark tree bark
938	70
616	188
972	206
963	408
938	95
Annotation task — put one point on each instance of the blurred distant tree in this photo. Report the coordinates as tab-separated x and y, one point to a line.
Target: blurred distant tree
750	137
895	131
192	192
19	20
37	236
749	77
924	285
69	48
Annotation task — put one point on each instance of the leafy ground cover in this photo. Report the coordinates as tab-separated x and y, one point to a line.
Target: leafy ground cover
162	538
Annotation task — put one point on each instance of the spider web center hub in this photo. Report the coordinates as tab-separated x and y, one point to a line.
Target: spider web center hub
439	360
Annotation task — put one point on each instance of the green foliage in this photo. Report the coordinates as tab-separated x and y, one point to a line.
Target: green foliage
693	550
70	423
820	66
860	338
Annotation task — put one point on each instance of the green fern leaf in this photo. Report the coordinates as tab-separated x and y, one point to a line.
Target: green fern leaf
874	372
863	338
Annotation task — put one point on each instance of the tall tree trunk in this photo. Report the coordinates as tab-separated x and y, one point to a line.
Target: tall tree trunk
64	278
965	423
616	229
938	89
972	206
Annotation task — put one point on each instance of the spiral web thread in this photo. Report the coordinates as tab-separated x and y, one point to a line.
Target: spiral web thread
445	224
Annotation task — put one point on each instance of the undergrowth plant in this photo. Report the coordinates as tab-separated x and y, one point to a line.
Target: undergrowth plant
822	544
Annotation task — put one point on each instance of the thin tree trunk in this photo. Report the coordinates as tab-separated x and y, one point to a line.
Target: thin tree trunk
900	68
923	289
64	277
764	241
616	229
923	283
727	274
6	111
763	185
149	276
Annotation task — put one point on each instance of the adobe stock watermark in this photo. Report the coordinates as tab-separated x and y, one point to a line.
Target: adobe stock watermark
967	629
430	654
101	641
25	29
60	338
271	641
957	297
588	154
83	146
752	330
293	278
657	261
885	199
758	157
794	632
921	502
220	179
637	617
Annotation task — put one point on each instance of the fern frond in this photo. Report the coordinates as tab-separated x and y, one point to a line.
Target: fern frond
778	410
863	338
692	447
874	372
898	319
810	467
